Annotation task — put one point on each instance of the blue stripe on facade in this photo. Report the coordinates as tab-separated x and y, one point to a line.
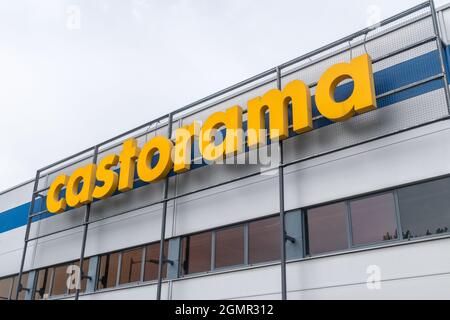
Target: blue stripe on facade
388	79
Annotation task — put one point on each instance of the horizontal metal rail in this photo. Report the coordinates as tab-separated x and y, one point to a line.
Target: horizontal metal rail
398	90
312	85
250	80
287	164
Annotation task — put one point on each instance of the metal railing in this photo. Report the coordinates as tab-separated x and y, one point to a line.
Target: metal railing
167	120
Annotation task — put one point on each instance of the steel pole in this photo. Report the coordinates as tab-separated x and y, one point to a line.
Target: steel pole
87	214
281	199
163	220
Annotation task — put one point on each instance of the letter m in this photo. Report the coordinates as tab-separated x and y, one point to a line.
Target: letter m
276	103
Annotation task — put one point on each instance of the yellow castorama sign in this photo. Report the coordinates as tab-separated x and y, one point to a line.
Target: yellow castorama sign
177	156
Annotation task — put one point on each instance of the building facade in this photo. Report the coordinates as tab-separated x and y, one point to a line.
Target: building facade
366	202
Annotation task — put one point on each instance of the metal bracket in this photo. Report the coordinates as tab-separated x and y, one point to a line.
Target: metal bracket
289	238
156	261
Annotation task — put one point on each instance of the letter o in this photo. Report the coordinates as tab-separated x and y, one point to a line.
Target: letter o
148	173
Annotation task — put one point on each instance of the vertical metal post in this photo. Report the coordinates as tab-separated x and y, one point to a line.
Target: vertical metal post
87	214
27	234
281	194
163	220
441	52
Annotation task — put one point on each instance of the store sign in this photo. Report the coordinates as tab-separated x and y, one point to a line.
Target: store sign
100	181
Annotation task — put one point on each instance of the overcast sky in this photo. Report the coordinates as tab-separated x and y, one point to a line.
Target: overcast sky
74	73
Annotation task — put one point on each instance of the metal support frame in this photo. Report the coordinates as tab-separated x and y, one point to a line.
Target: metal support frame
281	204
162	259
441	52
170	118
27	235
87	214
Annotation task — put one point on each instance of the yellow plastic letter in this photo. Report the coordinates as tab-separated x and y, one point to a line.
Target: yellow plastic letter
277	102
127	159
77	198
183	146
163	146
363	96
232	144
54	203
109	178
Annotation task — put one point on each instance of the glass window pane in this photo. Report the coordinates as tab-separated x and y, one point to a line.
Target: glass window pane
196	253
373	219
44	278
130	270
425	208
229	247
151	261
5	288
108	271
60	280
24	283
327	228
264	240
85	272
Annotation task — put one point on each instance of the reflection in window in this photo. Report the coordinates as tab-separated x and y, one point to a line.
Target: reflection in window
264	240
44	278
373	219
151	261
327	228
229	247
107	275
5	288
60	277
425	208
84	279
24	283
130	270
196	253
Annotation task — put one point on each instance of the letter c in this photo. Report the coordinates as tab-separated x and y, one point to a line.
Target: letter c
55	204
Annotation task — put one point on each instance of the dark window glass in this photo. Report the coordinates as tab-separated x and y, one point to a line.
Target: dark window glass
44	278
373	219
130	270
327	228
5	288
24	282
229	247
151	261
264	240
425	208
196	253
108	271
83	280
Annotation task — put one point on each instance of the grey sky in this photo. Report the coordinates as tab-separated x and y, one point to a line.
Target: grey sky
66	84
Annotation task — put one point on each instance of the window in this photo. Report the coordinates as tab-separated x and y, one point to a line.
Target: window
373	219
60	277
83	280
24	283
196	253
130	270
327	228
107	275
229	247
5	288
151	261
264	240
425	208
44	278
